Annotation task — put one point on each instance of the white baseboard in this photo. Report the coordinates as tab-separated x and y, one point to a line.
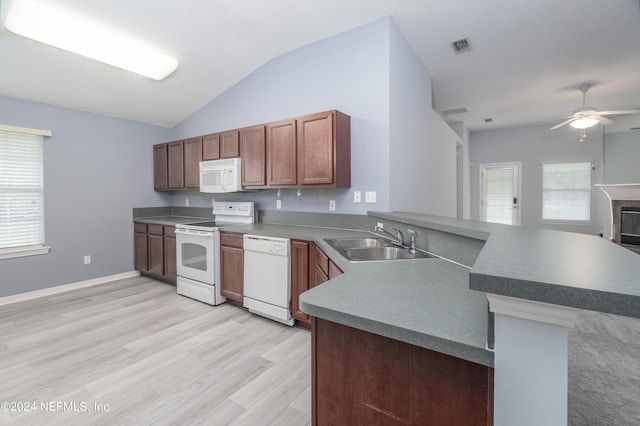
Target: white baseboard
65	287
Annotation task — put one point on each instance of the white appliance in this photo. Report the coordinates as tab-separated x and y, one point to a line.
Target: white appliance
267	278
198	252
218	176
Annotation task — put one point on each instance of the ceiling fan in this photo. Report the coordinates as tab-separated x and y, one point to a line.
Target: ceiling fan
587	116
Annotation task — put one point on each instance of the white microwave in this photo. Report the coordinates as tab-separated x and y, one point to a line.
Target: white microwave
217	176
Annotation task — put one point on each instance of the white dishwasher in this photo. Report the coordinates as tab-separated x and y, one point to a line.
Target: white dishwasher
267	277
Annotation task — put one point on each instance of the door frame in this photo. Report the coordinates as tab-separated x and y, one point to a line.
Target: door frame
518	206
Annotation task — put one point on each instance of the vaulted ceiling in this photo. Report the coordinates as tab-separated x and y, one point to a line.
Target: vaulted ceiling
526	61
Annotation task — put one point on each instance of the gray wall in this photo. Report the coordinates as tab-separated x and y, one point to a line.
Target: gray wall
423	147
464	187
622	157
532	145
371	74
96	169
348	72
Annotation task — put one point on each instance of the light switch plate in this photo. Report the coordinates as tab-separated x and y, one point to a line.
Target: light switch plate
332	205
370	197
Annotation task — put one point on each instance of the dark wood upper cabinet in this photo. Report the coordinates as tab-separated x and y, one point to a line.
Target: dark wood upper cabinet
229	144
211	147
309	151
192	159
160	177
252	147
281	153
324	149
175	153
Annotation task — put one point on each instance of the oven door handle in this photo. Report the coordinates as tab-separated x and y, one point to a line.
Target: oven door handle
194	233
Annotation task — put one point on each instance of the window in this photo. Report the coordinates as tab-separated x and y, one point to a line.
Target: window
566	191
21	193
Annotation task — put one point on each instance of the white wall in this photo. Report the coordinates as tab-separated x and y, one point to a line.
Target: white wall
96	170
531	146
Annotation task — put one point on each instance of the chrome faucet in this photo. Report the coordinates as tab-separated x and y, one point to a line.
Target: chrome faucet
413	234
397	239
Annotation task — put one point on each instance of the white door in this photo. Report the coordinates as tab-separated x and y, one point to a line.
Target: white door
500	193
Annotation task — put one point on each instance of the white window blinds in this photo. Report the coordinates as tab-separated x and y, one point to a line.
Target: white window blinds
566	191
21	190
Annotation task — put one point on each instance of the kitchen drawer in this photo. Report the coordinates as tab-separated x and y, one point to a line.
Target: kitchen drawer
169	231
322	261
155	229
231	239
140	227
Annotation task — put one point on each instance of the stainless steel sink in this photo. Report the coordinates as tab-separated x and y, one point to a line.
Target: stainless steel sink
372	249
357	242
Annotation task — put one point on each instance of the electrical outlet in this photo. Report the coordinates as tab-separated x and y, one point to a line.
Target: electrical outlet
357	197
87	259
186	202
278	204
332	205
380	225
370	197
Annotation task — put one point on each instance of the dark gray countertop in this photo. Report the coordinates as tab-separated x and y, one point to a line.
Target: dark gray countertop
425	302
562	268
169	220
440	305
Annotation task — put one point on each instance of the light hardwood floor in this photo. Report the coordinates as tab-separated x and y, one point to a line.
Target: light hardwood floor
149	356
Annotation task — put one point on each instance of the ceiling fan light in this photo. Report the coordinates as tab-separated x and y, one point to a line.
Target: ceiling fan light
584	123
74	33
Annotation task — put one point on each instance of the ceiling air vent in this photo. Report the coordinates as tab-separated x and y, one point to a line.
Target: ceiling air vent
461	46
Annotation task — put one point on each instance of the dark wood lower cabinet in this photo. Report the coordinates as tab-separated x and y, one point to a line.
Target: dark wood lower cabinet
300	278
156	254
308	264
170	270
155	251
232	266
141	248
360	378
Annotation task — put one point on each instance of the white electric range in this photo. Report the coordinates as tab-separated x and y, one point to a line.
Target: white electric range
198	251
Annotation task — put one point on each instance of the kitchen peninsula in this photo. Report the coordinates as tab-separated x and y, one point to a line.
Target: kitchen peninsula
433	318
536	282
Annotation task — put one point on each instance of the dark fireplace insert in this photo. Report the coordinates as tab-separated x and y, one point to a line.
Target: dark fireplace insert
630	225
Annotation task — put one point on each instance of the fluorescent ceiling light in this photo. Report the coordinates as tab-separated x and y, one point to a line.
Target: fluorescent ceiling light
584	123
77	34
